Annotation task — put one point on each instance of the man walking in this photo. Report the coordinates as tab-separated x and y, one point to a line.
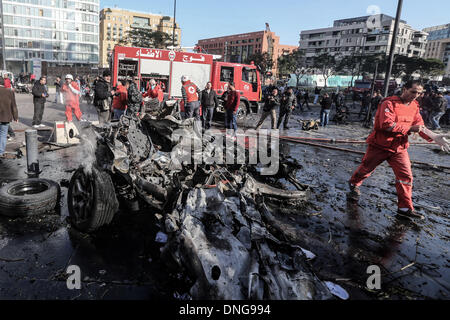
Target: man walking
306	101
58	89
365	102
232	107
209	103
271	103
396	119
317	92
71	93
8	113
40	96
103	97
439	109
191	96
288	103
326	103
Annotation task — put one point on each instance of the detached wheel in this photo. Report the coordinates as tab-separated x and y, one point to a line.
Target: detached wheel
92	200
29	197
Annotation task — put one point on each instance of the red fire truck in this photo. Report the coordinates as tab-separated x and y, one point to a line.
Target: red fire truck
167	67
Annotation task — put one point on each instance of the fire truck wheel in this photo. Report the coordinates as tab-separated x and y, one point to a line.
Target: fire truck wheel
29	197
242	111
92	200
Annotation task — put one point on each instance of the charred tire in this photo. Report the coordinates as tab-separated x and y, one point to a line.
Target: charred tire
92	200
29	197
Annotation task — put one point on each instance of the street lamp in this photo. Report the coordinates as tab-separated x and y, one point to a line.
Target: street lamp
3	37
174	23
392	50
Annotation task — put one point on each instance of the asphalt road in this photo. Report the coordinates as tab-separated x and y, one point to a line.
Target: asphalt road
122	262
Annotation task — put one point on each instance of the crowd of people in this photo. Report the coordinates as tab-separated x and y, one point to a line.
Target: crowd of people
127	97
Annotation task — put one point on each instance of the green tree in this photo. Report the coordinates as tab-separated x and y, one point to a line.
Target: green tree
432	68
328	65
289	63
262	60
351	65
145	38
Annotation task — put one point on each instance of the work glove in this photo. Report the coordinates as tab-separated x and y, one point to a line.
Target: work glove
443	141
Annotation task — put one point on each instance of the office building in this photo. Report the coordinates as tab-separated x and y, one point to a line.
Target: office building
50	33
438	45
115	23
363	35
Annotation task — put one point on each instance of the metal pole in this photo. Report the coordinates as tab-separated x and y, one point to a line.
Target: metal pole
369	112
174	23
392	51
3	38
31	139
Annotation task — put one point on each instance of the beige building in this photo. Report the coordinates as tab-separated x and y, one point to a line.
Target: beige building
438	46
368	35
115	23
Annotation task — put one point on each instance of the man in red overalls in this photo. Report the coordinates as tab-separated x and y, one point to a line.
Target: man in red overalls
396	118
71	92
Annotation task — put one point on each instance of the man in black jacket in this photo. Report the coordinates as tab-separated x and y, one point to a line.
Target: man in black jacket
134	97
439	109
209	103
40	96
272	102
326	105
103	97
288	104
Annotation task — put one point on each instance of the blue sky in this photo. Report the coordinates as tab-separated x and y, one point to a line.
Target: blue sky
201	19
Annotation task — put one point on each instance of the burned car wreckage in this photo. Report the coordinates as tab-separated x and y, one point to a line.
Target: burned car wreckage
220	229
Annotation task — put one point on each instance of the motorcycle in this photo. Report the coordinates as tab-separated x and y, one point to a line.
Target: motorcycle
22	88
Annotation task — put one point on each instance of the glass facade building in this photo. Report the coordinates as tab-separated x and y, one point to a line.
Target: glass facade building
55	31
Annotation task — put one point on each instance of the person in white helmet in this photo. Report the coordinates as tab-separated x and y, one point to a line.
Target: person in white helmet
72	93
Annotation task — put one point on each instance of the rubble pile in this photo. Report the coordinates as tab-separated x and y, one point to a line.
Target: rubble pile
220	231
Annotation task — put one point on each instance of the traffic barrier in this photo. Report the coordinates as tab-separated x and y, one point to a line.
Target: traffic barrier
66	133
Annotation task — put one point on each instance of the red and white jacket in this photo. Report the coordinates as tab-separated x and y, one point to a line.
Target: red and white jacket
72	94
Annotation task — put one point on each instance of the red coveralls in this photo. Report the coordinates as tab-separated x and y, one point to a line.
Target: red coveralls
72	100
392	146
155	93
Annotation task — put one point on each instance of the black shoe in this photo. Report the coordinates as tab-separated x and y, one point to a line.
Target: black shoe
287	128
354	194
410	215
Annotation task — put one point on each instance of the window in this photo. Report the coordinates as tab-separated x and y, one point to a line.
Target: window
227	74
249	75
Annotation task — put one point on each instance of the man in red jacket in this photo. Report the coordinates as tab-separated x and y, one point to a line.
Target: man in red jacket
232	107
71	92
397	117
119	104
154	91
